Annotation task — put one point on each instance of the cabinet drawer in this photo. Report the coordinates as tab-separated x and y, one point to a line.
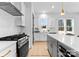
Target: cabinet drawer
8	51
13	47
13	54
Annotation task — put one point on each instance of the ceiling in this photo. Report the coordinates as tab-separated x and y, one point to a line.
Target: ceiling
70	7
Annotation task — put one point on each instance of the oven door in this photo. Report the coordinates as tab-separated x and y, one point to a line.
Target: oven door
23	51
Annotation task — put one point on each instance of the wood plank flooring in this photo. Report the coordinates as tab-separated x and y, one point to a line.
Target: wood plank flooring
39	50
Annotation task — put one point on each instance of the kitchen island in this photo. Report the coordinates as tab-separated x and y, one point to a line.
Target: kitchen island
72	42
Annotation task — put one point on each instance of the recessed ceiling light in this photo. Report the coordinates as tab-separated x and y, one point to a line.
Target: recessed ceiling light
52	6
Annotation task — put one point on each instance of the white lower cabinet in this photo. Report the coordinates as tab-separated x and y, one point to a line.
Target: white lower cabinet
40	36
52	46
9	51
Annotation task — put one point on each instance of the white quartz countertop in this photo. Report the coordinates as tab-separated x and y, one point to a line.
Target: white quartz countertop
6	44
70	41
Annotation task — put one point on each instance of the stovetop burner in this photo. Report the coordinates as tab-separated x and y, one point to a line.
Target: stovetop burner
13	37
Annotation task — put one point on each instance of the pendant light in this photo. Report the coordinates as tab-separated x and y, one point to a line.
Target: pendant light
62	10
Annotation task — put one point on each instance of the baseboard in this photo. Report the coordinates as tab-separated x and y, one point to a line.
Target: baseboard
40	41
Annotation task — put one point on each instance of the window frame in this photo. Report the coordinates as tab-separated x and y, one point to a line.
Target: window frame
61	26
65	25
72	25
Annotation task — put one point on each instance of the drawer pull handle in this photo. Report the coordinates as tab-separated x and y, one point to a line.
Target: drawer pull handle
6	53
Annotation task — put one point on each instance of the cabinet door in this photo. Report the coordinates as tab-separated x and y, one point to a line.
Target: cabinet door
36	37
43	36
50	45
9	52
13	50
5	53
54	47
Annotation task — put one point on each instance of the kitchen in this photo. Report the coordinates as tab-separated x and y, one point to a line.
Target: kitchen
39	29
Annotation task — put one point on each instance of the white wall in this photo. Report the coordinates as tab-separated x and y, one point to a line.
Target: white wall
54	17
73	16
7	24
26	21
52	21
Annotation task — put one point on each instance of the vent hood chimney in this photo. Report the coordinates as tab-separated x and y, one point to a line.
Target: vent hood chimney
9	8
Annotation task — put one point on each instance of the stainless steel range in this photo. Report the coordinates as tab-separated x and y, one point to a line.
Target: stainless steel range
22	43
23	46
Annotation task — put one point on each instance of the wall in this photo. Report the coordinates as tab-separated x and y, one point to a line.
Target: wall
51	21
54	17
73	16
25	20
7	24
51	24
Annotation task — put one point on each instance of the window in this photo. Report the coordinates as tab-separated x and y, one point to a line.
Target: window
69	25
61	25
66	25
43	22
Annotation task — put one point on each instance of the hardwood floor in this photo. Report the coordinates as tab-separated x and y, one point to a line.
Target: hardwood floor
39	50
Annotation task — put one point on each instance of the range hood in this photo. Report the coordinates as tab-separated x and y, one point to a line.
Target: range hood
9	8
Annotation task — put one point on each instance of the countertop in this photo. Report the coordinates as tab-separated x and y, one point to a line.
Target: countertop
6	44
70	41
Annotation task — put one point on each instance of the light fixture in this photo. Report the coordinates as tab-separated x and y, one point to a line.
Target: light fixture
52	6
43	15
62	10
